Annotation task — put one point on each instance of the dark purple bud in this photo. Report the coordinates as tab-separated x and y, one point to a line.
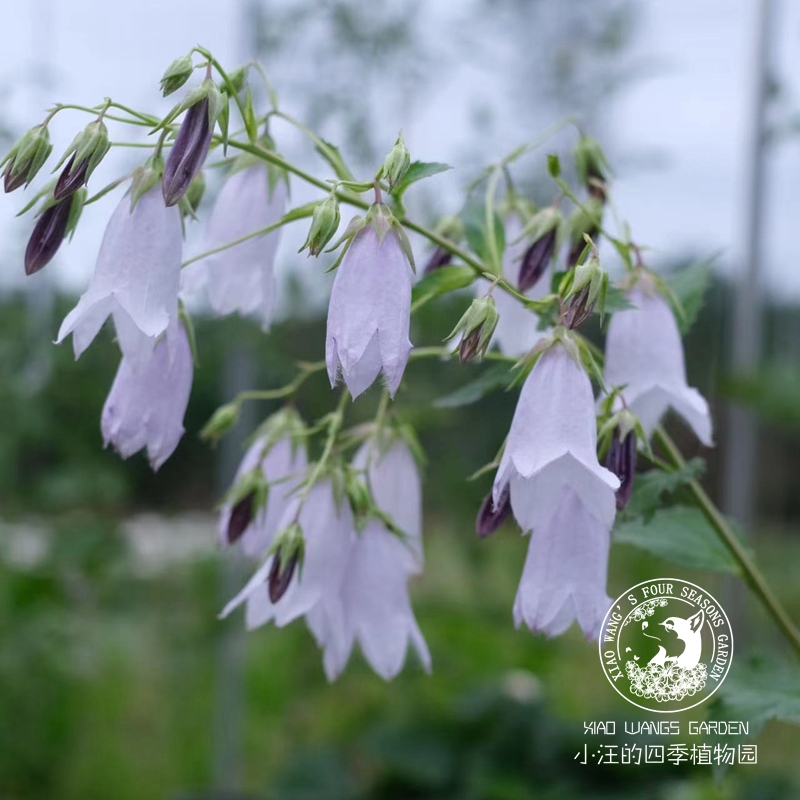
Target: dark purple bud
579	309
621	460
48	233
535	261
188	153
280	575
468	348
11	182
71	178
240	518
439	258
579	244
490	516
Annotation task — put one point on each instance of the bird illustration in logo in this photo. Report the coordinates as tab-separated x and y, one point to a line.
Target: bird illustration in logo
688	631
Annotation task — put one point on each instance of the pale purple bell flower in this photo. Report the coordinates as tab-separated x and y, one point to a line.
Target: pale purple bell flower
369	313
136	279
552	443
644	354
282	464
517	328
147	402
241	279
372	608
564	577
329	533
372	605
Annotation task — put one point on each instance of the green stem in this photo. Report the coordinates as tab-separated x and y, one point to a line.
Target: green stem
260	232
489	212
334	426
750	571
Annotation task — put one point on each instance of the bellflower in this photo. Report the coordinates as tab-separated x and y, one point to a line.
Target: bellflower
240	279
372	606
564	577
328	533
136	279
516	331
369	313
278	462
146	405
644	354
552	443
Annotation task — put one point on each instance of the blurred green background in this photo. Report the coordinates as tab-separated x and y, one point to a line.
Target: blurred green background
116	678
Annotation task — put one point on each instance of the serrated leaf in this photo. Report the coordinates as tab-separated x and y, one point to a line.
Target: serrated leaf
652	488
416	172
616	300
332	155
496	377
440	281
679	534
760	690
690	286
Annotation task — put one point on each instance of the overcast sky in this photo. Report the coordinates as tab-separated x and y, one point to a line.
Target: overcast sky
689	117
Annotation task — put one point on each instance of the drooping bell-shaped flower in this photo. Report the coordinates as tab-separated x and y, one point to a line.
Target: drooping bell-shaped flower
282	464
369	313
564	577
328	534
136	279
372	606
552	443
240	279
517	327
147	402
644	354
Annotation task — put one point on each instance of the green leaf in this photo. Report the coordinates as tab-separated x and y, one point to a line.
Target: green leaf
440	281
474	219
690	286
416	172
332	155
498	376
760	690
679	534
616	300
652	488
553	165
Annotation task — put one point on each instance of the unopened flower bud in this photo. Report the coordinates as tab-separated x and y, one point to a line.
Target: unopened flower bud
324	224
48	233
396	163
543	231
621	460
492	515
240	517
585	221
477	326
176	74
191	146
26	158
591	164
87	150
222	420
588	286
287	552
439	258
